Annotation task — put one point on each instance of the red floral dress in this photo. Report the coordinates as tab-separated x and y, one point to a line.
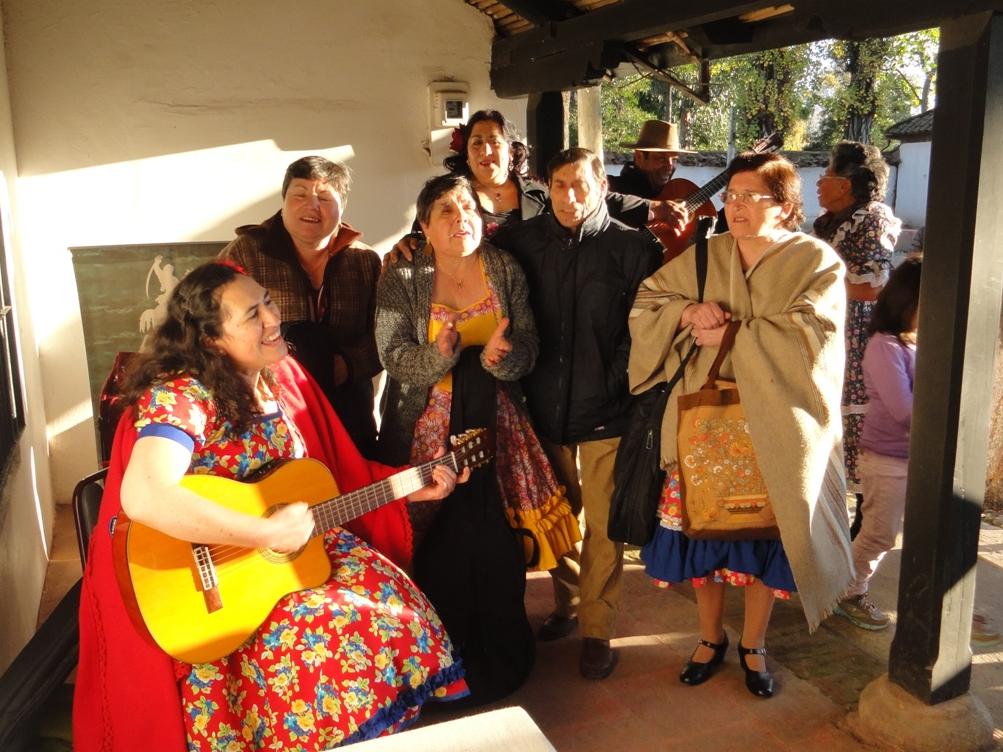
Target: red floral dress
352	659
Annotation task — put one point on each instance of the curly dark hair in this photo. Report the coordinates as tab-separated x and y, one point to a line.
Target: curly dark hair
781	178
898	301
457	163
863	166
181	345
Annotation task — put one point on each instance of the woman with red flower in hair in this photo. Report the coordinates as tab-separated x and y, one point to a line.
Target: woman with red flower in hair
490	155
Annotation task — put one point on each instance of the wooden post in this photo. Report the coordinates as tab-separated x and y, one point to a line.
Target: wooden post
959	322
547	126
590	120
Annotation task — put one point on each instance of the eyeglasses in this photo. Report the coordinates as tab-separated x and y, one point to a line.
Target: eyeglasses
831	177
744	197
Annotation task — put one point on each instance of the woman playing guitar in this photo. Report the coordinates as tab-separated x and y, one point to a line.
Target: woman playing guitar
351	658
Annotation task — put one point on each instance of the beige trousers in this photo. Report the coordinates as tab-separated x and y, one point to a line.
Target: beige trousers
587	580
883	479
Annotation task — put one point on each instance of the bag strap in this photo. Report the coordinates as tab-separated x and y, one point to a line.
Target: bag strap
704	225
703	231
726	342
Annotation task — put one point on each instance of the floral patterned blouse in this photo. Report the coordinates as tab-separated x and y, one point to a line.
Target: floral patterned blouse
866	242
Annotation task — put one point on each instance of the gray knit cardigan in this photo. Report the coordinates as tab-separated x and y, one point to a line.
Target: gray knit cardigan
414	365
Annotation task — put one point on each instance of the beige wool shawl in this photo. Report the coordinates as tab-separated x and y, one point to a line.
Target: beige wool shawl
787	361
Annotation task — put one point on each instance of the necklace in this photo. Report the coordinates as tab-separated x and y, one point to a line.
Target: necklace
496	191
455	274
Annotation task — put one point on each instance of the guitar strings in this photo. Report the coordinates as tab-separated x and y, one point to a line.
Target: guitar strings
354	503
324	518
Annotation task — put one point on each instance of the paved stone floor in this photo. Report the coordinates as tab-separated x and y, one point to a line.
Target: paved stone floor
642	706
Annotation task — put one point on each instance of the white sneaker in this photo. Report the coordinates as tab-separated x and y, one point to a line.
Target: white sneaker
861	611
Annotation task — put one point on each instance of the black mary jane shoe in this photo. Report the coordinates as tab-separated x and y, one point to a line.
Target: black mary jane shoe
697	673
760	683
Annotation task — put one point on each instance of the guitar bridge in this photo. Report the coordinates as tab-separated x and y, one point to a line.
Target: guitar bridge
206	579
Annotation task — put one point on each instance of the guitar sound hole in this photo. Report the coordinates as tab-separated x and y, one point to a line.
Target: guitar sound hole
274	557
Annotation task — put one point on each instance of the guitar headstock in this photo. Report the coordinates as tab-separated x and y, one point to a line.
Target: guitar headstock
474	447
768	144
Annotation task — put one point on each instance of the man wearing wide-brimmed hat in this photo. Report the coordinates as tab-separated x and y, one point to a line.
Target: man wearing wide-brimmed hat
655	154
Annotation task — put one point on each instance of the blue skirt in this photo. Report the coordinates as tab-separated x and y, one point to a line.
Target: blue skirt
672	557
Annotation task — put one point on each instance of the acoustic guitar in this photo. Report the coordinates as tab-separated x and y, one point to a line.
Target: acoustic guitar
201	602
697	200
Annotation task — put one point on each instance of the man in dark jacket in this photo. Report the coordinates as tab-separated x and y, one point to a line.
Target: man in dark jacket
583	270
323	279
655	154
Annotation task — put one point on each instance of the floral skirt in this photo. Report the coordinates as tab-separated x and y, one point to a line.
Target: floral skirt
533	500
670	557
350	660
858	316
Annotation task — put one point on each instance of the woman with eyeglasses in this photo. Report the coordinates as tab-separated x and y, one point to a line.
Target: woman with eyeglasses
786	291
863	231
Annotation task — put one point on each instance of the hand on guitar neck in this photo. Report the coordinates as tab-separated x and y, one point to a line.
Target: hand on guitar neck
444	480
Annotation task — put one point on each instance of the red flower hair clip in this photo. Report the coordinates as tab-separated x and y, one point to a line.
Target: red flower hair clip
236	267
456	142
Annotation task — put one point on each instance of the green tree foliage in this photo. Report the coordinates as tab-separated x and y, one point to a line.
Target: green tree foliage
815	94
863	61
873	84
774	94
623	112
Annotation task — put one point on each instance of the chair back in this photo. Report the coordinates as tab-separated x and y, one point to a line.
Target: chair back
86	503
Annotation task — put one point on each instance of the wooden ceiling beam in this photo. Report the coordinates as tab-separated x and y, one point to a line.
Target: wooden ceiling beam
699	94
814	20
630	21
863	19
580	51
583	50
542	12
584	66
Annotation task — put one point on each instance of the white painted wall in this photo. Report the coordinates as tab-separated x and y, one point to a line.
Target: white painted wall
809	175
26	494
912	183
142	122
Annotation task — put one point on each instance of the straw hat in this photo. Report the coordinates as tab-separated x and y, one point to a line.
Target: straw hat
658	135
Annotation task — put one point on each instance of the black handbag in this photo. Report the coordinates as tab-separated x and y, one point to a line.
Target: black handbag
637	471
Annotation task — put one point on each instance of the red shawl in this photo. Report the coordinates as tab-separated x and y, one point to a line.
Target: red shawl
126	695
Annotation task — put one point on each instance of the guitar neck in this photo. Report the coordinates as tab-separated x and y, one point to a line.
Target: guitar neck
341	509
701	197
766	145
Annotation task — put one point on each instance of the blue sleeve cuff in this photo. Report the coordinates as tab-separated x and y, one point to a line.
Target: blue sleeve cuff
165	431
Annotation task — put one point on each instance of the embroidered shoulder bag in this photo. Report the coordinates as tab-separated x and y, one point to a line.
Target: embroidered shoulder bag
723	493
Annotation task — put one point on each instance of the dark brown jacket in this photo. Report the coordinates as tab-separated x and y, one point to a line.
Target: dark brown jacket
346	328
